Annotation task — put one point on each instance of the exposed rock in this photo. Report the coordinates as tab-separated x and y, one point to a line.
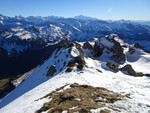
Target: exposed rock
51	71
117	50
87	45
77	45
99	70
97	50
148	75
79	60
139	74
71	63
137	45
64	43
69	69
80	66
6	86
125	46
82	97
128	68
131	51
112	66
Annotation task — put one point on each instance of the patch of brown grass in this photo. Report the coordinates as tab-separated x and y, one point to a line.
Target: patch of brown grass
82	97
3	82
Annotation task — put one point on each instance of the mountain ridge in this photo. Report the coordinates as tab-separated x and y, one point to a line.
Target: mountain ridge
80	62
48	56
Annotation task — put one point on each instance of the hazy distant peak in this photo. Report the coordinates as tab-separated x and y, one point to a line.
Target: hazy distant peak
81	17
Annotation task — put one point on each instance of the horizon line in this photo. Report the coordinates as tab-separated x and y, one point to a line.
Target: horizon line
73	17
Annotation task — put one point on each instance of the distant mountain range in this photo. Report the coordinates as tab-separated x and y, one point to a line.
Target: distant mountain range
26	37
81	64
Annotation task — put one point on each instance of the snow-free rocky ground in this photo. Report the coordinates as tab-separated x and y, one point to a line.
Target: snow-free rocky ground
83	65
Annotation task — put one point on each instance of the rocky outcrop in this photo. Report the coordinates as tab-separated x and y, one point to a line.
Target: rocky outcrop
97	50
88	46
6	86
113	67
82	98
128	69
131	51
76	61
69	69
51	71
118	55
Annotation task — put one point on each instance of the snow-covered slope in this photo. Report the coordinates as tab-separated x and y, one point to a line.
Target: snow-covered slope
138	88
94	63
22	38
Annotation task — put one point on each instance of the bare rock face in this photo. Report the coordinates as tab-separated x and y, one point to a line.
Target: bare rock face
112	66
87	45
97	50
77	61
128	69
51	71
131	51
69	69
71	63
140	74
117	50
148	75
6	86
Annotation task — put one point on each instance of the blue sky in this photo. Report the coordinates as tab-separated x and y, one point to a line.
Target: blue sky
102	9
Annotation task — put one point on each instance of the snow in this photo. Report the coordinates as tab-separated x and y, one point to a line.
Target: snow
27	97
140	61
64	112
99	110
76	28
18	23
9	35
1	22
38	76
138	88
23	77
73	107
109	28
145	44
106	42
116	38
52	32
23	35
74	52
106	56
17	29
